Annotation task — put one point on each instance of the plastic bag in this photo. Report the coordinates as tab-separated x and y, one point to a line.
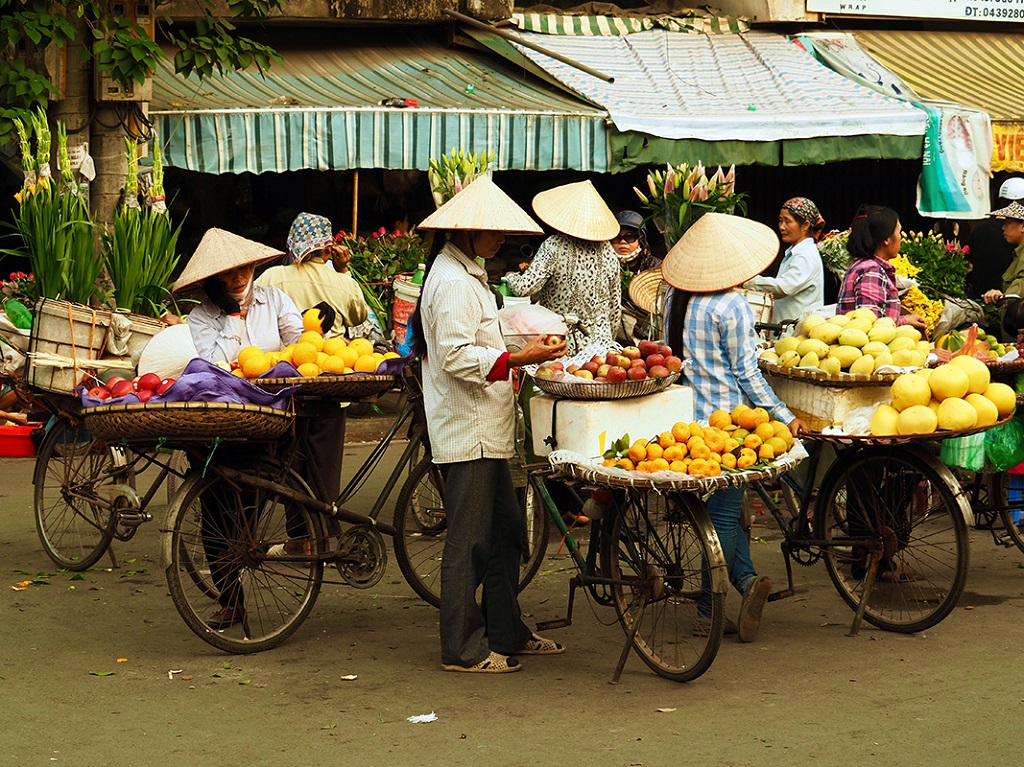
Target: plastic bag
1004	445
964	452
530	320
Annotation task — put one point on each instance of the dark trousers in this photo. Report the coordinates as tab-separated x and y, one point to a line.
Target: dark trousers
324	437
483	545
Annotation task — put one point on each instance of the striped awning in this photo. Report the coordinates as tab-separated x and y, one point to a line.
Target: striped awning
604	26
320	109
754	96
984	70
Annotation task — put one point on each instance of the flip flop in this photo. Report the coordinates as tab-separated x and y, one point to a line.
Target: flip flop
492	664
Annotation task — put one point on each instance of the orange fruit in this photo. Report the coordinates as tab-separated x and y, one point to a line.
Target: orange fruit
638	451
761	416
625	463
644	466
731	444
729	461
303	352
665	439
659	464
349	355
736	412
698	467
674	453
321	358
367	363
311	320
255	364
715	457
654	450
720	419
696	430
694	441
679	466
700	450
681	431
715	440
765	431
247	352
333	365
333	345
361	345
713	469
608	462
747	419
766	451
752	441
313	337
309	370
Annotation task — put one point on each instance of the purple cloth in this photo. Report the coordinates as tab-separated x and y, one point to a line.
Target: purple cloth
202	381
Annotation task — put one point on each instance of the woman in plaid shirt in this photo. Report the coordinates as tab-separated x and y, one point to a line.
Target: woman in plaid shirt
870	282
713	325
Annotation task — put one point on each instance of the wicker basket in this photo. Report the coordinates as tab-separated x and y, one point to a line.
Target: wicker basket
344	388
186	422
601	391
821	378
903	439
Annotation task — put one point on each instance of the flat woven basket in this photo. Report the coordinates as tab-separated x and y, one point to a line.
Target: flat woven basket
591	470
346	387
903	439
191	422
821	378
602	391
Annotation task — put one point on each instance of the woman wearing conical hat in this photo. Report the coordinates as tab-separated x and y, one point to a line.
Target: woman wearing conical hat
470	409
713	325
576	270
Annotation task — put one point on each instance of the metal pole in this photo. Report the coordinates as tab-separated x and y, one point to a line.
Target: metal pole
355	201
516	39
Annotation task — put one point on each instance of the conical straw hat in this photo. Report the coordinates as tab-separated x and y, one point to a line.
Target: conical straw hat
578	211
482	206
643	289
1014	210
719	252
219	251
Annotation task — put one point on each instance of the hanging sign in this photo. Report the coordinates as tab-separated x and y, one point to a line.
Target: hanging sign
974	10
1008	147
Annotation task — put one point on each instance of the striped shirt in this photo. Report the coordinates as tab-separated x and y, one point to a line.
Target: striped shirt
468	417
719	346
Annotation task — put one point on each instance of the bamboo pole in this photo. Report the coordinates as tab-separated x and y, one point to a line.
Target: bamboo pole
355	201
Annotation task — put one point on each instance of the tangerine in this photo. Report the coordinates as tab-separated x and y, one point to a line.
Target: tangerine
681	431
713	469
625	463
255	364
309	370
654	450
766	451
679	466
696	430
752	441
736	412
720	419
638	450
313	337
367	363
665	439
700	450
729	461
674	453
659	464
334	345
333	365
303	352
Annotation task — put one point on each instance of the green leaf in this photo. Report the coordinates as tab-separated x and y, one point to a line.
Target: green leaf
102	673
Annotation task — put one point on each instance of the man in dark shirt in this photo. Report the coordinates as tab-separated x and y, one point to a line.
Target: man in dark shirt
991	254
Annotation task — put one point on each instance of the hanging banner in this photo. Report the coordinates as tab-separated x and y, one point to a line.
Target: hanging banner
974	10
1008	147
957	159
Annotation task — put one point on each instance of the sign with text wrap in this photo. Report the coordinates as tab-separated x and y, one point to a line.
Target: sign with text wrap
974	10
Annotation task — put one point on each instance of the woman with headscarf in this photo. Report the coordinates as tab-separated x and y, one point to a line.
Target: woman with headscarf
799	286
471	422
713	325
576	271
310	282
233	314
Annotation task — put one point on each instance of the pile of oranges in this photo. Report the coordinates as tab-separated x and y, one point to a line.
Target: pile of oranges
735	440
313	355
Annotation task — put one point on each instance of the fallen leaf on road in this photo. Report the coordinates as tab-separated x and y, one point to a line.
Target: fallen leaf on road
102	673
122	660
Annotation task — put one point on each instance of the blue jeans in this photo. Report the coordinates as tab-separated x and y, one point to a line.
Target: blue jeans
724	508
483	544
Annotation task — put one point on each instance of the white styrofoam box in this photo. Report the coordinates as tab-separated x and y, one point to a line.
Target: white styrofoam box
821	407
580	422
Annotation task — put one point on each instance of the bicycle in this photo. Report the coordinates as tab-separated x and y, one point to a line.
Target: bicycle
890	521
994	510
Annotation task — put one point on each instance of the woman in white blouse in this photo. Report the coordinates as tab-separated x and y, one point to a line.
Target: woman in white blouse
799	286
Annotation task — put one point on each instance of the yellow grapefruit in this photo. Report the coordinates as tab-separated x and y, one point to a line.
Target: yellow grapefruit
314	338
977	372
367	363
303	353
333	345
255	364
309	369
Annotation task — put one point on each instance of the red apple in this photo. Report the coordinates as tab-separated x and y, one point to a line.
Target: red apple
674	364
632	352
121	388
544	373
653	360
602	371
585	374
571	370
600	379
553	340
591	367
658	371
665	349
636	373
113	380
616	375
647	348
165	384
144	394
637	364
556	365
599	359
622	361
98	392
149	381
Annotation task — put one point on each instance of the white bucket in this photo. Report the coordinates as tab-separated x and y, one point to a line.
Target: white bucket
406	296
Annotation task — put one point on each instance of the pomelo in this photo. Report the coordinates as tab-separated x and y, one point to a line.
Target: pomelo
1002	396
956	414
917	419
977	373
987	412
910	390
884	421
948	381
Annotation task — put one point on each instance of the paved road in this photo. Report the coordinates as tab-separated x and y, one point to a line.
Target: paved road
804	693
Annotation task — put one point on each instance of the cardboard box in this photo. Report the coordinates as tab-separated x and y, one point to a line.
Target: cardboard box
580	423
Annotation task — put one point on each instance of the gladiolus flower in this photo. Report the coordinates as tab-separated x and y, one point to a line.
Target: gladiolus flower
670	183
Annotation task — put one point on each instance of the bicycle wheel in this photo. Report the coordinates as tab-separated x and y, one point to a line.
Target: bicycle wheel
75	521
229	531
178	462
909	505
420	533
1013	519
665	551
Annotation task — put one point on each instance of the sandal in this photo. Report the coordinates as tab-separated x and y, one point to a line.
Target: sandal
492	664
538	645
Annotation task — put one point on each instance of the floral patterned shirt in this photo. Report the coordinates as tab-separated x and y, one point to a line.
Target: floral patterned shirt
571	276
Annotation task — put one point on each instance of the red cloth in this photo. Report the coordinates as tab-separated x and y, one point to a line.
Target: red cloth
1019	469
500	370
